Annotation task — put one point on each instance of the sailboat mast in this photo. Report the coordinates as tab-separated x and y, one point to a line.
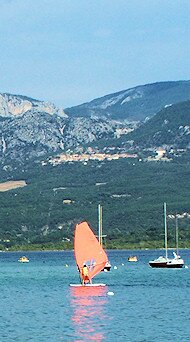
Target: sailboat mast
176	236
165	226
100	224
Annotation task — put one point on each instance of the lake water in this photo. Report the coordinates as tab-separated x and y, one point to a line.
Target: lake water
38	305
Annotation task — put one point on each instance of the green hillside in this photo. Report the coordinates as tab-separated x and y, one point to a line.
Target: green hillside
132	194
170	126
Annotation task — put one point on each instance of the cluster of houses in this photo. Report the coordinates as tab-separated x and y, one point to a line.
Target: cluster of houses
112	153
85	157
164	154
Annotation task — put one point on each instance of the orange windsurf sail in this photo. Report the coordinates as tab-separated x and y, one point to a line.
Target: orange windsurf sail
88	250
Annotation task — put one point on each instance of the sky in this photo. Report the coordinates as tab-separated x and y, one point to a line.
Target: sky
69	52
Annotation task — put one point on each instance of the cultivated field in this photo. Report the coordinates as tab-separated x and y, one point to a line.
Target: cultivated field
11	185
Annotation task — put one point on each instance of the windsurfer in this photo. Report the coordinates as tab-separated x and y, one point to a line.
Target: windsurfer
85	275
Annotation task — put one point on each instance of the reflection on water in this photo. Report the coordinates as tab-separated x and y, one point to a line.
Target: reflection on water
89	315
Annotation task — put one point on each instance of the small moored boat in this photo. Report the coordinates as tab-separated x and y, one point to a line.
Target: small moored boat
164	261
23	259
132	258
107	267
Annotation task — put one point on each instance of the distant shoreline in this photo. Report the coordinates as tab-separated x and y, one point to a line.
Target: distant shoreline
69	246
72	250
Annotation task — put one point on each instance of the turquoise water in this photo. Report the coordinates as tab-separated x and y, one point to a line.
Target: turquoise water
148	304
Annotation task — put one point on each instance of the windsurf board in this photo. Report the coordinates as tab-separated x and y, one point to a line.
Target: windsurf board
87	285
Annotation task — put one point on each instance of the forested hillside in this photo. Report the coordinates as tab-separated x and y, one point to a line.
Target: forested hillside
171	126
131	192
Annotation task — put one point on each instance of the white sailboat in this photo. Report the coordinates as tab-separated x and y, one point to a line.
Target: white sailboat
100	236
164	261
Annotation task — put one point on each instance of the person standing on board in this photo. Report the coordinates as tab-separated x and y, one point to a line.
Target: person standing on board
85	275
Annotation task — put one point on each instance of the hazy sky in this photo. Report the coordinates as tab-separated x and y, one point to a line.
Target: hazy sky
72	51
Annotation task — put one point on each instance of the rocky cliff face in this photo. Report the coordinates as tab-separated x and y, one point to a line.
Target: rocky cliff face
30	129
18	105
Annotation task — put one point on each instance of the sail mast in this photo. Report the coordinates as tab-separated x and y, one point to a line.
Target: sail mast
165	226
176	232
100	224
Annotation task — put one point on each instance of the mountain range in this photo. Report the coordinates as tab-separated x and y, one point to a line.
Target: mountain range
135	104
32	129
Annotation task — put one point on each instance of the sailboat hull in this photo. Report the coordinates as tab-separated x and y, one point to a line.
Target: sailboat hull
156	264
168	264
175	265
